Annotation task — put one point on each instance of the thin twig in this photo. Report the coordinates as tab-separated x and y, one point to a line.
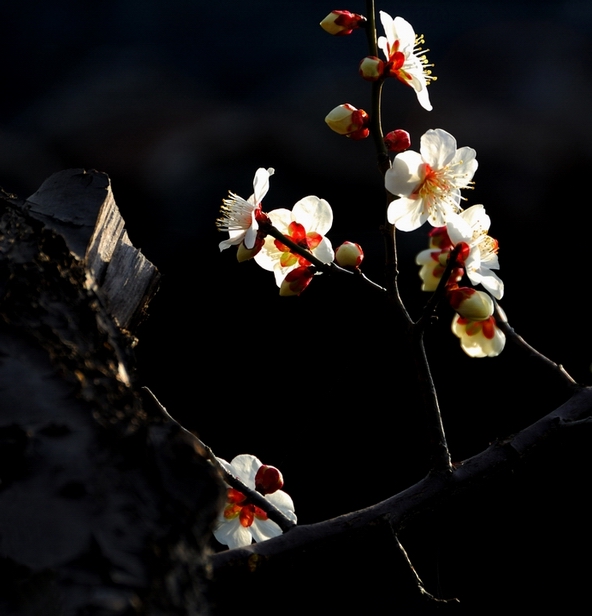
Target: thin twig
253	497
419	583
329	268
440	455
376	110
502	322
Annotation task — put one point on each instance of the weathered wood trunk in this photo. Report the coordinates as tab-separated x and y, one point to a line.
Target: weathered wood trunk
105	505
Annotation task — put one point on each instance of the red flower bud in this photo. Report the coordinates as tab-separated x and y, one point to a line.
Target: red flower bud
397	140
340	23
268	479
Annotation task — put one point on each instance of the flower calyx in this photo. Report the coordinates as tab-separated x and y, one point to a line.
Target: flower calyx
342	23
297	280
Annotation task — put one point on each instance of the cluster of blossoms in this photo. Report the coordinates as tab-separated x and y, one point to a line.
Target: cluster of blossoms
305	226
404	60
428	185
248	227
425	186
241	523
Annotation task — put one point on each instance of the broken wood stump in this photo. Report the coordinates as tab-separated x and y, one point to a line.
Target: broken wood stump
105	504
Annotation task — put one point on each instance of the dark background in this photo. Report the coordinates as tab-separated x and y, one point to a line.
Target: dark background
181	101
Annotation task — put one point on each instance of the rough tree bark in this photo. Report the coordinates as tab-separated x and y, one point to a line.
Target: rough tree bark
104	503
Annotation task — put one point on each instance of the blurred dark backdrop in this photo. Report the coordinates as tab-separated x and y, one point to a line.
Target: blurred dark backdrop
181	101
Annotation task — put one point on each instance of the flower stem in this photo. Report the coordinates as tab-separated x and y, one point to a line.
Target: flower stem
440	454
376	114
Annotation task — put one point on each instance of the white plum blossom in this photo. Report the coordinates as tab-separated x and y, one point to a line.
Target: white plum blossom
242	523
471	226
239	217
406	60
479	338
429	182
306	226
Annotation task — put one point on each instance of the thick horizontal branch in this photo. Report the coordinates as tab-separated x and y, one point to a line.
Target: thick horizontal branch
501	456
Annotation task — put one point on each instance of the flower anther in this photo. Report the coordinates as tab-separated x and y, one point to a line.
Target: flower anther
241	218
405	59
429	182
241	523
479	338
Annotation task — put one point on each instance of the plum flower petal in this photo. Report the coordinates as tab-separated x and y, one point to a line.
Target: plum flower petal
433	264
238	216
306	225
242	523
406	61
479	338
429	182
471	227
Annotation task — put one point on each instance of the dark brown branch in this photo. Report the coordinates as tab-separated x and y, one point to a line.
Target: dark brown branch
437	487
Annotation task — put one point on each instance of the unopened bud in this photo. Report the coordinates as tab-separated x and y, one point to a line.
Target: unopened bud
349	255
397	140
340	23
296	281
471	304
371	69
244	254
349	121
268	480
